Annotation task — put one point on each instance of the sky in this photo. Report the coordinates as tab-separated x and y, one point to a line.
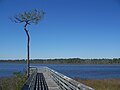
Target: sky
69	29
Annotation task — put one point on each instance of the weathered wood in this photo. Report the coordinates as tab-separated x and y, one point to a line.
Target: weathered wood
30	82
44	78
40	83
66	83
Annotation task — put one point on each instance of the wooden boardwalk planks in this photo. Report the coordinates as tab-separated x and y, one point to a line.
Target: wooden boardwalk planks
40	83
44	78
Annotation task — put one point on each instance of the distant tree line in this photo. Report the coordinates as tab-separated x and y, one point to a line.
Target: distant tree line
68	61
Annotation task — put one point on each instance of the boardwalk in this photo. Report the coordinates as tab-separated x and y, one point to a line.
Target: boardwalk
44	78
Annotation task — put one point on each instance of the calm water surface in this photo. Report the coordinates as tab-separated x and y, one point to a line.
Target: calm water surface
91	71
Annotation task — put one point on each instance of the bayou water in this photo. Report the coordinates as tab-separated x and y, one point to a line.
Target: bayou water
86	71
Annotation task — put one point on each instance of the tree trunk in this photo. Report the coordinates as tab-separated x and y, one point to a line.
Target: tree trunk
28	60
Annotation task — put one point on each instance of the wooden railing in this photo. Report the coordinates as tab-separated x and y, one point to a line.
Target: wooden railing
66	83
30	82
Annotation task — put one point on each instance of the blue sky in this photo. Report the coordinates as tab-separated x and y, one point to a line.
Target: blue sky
70	29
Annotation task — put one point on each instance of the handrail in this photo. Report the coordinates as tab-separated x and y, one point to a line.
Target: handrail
30	82
67	83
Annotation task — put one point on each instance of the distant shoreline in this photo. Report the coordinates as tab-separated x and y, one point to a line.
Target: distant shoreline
67	61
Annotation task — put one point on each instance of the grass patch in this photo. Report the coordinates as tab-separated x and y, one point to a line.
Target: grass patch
14	82
101	84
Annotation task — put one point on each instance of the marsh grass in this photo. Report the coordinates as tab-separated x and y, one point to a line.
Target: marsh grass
12	83
101	84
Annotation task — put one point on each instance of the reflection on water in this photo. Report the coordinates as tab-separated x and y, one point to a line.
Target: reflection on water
72	70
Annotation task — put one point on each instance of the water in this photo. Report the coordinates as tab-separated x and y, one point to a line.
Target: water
88	71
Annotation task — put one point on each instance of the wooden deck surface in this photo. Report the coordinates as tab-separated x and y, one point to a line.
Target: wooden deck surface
44	78
50	82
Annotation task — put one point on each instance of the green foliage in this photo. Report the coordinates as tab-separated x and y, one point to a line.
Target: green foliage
32	16
14	82
17	74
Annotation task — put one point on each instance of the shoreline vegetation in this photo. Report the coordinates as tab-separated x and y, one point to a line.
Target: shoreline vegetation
14	82
101	84
68	61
